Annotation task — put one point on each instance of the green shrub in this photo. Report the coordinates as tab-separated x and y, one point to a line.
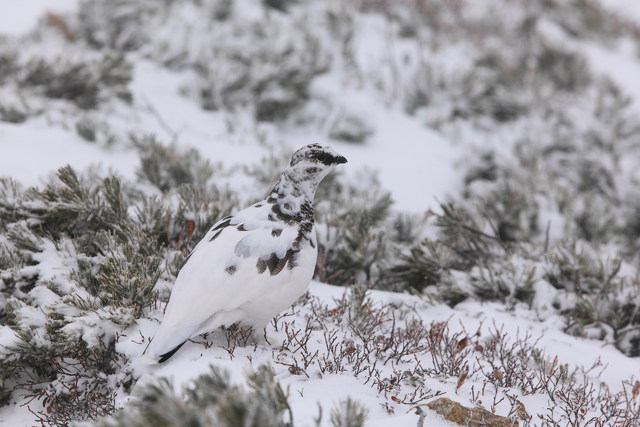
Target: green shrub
211	399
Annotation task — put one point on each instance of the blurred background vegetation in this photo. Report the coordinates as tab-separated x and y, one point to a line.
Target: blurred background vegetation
548	215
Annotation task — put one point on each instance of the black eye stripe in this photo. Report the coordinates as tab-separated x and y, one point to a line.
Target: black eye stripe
323	158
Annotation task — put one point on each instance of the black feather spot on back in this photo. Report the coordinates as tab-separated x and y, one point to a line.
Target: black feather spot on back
291	263
276	264
231	269
241	228
276	232
296	242
262	266
221	226
224	223
273	264
306	227
215	235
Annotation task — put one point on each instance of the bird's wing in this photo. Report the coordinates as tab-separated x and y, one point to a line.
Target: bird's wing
239	259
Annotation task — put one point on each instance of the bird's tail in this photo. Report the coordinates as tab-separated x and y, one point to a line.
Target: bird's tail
169	336
152	355
164	357
153	359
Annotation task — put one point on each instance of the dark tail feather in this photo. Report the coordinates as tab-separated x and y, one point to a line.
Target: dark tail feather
168	354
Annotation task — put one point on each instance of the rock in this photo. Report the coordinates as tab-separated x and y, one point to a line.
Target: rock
471	417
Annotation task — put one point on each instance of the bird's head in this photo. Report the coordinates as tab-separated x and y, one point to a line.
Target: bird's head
309	165
314	161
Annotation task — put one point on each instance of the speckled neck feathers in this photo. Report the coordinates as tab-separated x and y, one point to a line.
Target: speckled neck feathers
292	196
292	199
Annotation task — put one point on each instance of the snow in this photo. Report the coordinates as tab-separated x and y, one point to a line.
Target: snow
620	64
626	9
17	415
17	18
51	266
7	336
31	154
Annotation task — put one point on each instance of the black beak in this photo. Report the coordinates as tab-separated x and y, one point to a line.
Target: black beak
339	159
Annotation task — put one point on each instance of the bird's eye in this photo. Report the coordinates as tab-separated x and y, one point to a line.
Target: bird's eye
322	157
312	170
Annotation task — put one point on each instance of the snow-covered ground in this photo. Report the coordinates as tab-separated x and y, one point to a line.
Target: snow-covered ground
402	150
328	390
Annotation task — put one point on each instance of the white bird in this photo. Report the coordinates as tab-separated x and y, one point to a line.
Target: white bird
252	265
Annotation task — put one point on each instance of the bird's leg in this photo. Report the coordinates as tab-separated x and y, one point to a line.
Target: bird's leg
261	337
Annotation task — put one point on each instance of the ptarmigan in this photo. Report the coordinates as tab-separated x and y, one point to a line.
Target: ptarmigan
252	265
